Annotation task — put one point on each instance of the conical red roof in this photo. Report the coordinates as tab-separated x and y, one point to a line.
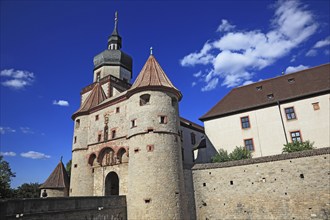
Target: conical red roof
58	179
96	96
153	76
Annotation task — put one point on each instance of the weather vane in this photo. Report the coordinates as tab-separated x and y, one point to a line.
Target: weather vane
151	50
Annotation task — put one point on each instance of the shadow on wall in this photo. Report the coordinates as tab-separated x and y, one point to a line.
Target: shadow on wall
204	151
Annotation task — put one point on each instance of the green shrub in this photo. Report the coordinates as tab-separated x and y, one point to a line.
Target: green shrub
221	156
239	153
297	146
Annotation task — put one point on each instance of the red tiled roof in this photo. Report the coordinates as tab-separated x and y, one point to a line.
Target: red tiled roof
283	88
152	76
96	96
58	179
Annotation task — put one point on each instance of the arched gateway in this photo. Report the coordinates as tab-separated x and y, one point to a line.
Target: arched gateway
111	184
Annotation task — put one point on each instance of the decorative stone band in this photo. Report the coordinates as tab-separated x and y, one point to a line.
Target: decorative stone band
307	153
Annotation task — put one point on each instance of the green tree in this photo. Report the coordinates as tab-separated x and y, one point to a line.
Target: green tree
68	167
5	179
221	156
239	153
297	146
28	190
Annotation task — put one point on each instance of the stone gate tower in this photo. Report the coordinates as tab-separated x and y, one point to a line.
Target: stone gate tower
155	182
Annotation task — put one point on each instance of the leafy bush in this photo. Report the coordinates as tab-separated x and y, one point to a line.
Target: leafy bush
221	156
239	153
297	146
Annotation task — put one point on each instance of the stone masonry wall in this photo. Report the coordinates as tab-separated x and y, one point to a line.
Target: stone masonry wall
287	186
88	208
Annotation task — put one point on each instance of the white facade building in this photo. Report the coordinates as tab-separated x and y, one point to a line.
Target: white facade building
266	115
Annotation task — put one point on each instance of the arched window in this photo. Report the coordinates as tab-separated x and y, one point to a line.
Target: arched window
144	99
92	160
122	156
107	157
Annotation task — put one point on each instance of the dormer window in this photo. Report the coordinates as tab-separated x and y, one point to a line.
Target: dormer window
144	99
270	96
259	88
291	80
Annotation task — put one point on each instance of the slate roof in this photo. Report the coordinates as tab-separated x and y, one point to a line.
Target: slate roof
95	97
152	76
284	88
58	179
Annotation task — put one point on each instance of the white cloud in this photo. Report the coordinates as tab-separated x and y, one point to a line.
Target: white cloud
61	103
211	85
248	82
225	26
35	155
292	69
201	57
198	74
322	43
237	55
16	79
4	130
9	154
193	84
26	130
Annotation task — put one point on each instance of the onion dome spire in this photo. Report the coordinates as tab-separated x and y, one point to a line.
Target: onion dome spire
114	41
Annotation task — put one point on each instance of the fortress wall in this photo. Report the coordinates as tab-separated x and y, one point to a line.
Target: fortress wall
286	186
189	193
96	208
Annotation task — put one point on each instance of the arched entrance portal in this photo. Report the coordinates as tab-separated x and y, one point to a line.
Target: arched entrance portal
112	184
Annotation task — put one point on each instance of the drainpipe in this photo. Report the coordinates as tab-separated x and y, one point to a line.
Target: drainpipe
279	108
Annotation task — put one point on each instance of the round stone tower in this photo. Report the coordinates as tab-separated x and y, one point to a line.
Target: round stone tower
82	180
155	182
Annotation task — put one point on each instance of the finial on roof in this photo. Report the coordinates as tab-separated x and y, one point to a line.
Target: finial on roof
151	50
116	19
61	158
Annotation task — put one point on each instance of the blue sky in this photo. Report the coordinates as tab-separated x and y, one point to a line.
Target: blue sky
205	47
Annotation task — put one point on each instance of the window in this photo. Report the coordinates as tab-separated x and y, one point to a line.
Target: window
316	106
289	112
150	148
270	96
248	143
113	134
75	139
96	117
291	80
77	123
295	136
98	76
117	110
245	122
259	88
162	119
133	123
144	99
106	129
174	102
193	138
99	138
181	135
